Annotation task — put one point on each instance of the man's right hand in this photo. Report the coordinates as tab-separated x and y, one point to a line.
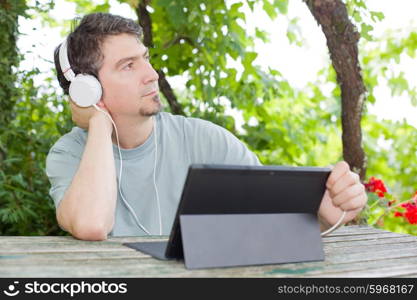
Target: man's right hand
82	116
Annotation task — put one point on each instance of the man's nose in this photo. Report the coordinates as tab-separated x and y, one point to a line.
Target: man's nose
150	75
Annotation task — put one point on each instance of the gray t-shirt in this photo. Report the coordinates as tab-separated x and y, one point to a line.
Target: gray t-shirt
180	142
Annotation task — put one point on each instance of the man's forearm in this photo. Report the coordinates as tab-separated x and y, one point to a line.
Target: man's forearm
87	210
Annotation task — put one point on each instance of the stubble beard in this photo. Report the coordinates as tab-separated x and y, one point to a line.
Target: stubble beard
155	109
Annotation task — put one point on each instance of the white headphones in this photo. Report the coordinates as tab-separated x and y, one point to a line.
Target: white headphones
85	90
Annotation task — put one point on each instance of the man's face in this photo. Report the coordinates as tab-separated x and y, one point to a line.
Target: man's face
130	84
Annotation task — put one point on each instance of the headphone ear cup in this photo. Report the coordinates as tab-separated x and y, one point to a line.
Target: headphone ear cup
85	90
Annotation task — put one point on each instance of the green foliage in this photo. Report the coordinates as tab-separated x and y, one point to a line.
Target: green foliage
9	58
363	18
379	57
390	146
25	207
391	152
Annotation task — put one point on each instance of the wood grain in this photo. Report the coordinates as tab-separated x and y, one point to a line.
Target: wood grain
351	251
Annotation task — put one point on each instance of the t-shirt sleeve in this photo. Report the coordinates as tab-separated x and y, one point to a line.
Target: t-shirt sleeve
61	165
213	144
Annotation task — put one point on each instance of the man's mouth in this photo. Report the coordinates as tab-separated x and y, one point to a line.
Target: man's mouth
152	93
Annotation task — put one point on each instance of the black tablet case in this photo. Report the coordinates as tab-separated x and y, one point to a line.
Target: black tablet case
245	215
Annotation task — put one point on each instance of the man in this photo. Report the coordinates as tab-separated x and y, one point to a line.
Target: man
156	147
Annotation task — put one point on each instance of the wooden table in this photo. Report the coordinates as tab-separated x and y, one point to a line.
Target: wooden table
351	251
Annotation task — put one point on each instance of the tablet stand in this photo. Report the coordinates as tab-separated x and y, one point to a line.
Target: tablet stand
249	239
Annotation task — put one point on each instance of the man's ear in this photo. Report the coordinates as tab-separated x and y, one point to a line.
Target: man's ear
101	103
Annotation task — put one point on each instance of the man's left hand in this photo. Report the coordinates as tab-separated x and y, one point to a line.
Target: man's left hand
344	192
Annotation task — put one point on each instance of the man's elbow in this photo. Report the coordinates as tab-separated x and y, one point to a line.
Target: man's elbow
90	232
83	229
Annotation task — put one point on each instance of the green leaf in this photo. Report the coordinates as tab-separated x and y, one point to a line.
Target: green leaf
262	35
365	31
269	9
377	16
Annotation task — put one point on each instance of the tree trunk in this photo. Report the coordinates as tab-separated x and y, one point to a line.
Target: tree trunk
342	41
145	22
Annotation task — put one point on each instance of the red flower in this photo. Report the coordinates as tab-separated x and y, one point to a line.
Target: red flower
376	186
410	214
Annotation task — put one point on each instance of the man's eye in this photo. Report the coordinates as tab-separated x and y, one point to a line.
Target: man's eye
128	66
147	57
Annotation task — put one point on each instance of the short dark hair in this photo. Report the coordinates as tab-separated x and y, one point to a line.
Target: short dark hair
85	41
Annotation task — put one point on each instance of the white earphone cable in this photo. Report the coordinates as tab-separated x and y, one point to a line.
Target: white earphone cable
335	226
121	172
154	178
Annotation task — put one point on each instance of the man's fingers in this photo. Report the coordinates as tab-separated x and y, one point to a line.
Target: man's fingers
339	170
349	193
346	180
356	203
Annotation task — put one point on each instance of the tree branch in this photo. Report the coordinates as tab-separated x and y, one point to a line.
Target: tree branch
178	39
169	94
145	22
342	41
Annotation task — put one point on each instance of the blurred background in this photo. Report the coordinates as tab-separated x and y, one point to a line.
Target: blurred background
260	68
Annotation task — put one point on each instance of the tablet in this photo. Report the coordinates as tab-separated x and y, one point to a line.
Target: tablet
212	189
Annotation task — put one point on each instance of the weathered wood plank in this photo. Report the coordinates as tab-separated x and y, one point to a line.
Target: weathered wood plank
121	252
384	235
53	257
153	268
350	251
66	239
67	246
83	246
168	269
368	249
141	269
409	275
382	271
356	243
376	254
355	229
328	269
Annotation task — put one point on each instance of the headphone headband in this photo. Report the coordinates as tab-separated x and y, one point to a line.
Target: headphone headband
64	62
